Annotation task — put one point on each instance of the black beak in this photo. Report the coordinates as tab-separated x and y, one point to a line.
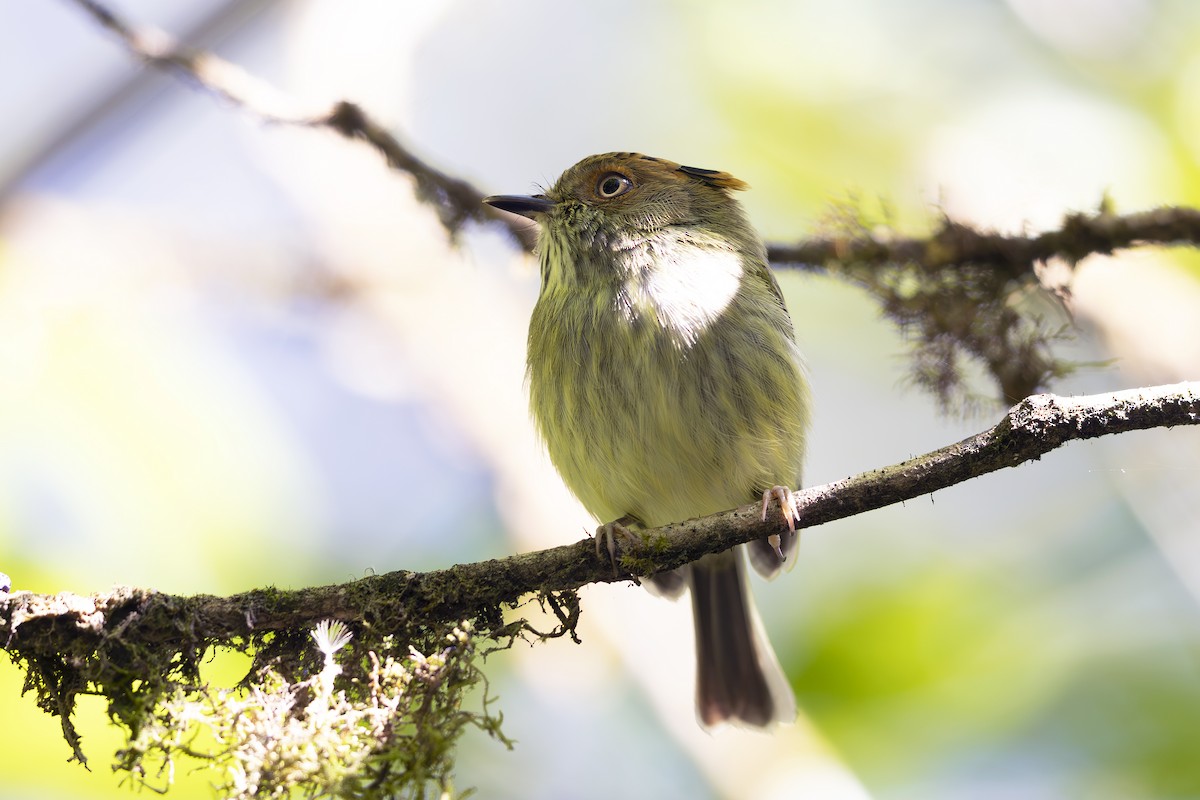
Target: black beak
521	204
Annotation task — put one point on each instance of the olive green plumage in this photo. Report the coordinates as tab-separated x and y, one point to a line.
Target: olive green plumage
666	383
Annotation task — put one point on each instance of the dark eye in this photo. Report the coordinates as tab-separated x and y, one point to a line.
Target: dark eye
612	184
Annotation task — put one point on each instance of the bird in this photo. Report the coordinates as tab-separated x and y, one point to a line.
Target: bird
666	383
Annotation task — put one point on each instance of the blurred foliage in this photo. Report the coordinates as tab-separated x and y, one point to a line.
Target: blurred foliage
1041	665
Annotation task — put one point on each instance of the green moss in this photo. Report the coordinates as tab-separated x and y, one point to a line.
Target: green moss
380	721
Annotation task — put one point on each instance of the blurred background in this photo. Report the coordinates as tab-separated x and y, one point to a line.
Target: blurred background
235	355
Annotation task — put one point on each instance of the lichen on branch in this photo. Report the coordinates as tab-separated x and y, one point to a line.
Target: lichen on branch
376	722
142	650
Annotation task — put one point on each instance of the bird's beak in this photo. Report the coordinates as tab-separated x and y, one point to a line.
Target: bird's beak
524	205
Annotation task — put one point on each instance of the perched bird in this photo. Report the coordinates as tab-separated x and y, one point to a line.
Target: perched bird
665	380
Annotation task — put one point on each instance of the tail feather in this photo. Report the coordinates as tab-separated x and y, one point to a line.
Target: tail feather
738	676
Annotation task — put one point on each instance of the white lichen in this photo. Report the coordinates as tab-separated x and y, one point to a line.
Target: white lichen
326	736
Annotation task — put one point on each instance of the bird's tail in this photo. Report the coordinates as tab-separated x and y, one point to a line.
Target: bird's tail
738	677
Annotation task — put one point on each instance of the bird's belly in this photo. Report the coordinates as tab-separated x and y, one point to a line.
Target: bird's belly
664	434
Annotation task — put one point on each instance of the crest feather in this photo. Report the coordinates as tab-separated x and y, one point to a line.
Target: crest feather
721	180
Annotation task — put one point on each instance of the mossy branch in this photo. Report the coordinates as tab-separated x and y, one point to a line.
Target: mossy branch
954	244
142	649
962	295
33	626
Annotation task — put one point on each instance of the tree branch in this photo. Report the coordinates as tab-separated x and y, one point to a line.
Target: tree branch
954	244
45	625
456	201
957	293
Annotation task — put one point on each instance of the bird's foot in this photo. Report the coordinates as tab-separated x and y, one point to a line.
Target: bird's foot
611	536
787	505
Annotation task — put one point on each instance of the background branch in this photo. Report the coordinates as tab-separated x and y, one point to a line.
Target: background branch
961	296
954	244
458	202
36	626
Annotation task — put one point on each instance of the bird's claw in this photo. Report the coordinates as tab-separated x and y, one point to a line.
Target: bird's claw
606	541
787	506
776	545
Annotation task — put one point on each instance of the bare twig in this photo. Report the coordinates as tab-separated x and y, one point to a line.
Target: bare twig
456	201
42	625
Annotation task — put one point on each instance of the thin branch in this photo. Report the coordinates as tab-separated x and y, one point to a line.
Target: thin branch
964	296
455	200
458	202
954	244
46	625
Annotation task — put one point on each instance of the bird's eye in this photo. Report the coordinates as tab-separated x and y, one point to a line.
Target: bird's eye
612	184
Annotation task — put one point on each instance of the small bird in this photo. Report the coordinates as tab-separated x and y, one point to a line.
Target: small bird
665	380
